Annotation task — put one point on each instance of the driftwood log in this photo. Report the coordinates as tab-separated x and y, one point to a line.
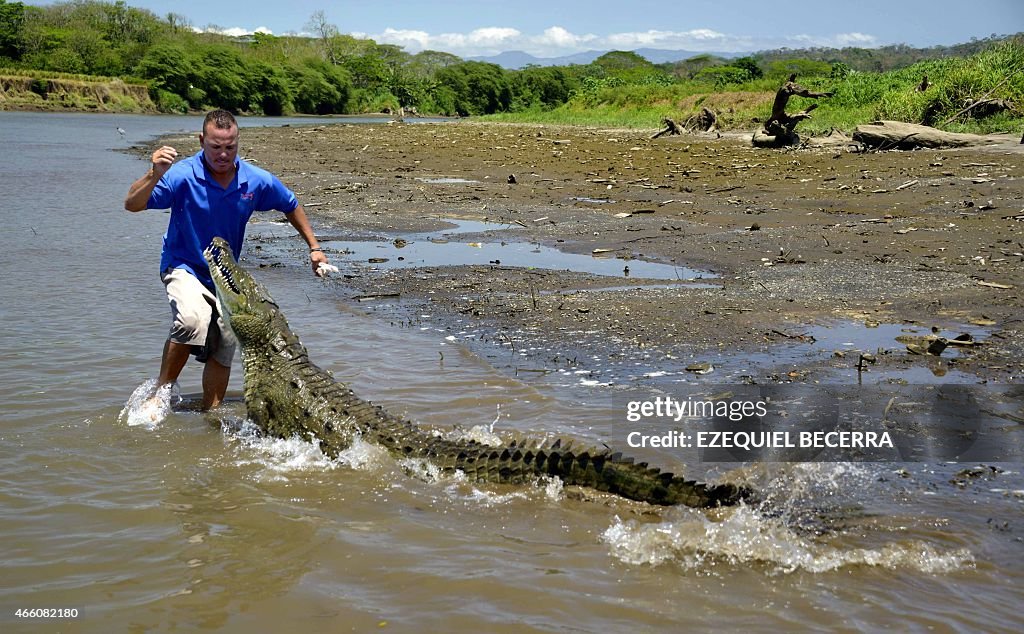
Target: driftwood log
703	121
671	127
897	135
779	129
981	108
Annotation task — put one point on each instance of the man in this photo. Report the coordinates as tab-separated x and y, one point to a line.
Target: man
210	194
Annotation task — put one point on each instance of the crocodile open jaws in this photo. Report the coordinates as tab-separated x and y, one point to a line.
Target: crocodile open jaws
286	394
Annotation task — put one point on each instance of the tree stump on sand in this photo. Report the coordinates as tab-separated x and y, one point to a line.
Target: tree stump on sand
779	128
703	121
671	127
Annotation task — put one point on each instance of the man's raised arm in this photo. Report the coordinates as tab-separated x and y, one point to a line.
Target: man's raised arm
138	193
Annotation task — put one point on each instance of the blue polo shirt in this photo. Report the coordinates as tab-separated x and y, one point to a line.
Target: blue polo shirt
201	209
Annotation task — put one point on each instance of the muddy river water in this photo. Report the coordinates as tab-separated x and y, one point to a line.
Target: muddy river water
197	524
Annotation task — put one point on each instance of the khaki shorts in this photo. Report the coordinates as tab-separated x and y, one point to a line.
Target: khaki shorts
195	320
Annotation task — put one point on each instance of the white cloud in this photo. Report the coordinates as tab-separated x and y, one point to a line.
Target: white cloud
414	41
235	31
559	37
482	41
557	41
665	39
838	40
856	39
553	41
489	40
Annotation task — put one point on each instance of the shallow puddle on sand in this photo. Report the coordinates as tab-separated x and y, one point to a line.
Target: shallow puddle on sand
826	354
838	346
859	336
441	248
446	180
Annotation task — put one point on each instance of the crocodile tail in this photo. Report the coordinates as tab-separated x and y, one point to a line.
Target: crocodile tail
594	468
622	475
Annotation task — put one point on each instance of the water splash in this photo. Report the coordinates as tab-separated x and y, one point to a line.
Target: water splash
458	486
746	537
802	522
150	404
483	434
426	471
554	489
548	488
279	457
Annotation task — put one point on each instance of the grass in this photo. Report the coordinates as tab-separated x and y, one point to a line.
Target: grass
857	98
67	91
48	74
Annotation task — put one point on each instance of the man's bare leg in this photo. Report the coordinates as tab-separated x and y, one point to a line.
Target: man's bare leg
215	383
174	358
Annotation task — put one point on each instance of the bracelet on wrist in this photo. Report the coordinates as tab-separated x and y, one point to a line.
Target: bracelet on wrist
316	249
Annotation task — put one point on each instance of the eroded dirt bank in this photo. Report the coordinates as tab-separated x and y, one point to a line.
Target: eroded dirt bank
795	238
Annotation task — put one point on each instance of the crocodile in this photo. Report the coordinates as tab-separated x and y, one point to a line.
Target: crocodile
286	395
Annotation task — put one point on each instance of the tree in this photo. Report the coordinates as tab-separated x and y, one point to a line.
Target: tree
12	19
178	22
320	87
839	70
628	67
802	67
327	33
546	86
268	89
368	71
171	68
65	60
723	75
750	65
616	62
426	63
688	68
221	74
479	87
126	25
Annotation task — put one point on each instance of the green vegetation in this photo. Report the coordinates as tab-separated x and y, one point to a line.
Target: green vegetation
882	59
55	90
741	93
107	55
997	72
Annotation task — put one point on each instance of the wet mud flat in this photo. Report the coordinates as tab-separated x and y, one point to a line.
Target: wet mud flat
770	246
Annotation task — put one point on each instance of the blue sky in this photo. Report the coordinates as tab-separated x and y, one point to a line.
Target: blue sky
553	28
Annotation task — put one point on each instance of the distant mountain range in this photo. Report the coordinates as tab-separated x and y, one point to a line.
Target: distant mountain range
515	60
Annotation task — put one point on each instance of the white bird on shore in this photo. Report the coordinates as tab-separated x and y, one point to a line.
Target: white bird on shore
121	131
